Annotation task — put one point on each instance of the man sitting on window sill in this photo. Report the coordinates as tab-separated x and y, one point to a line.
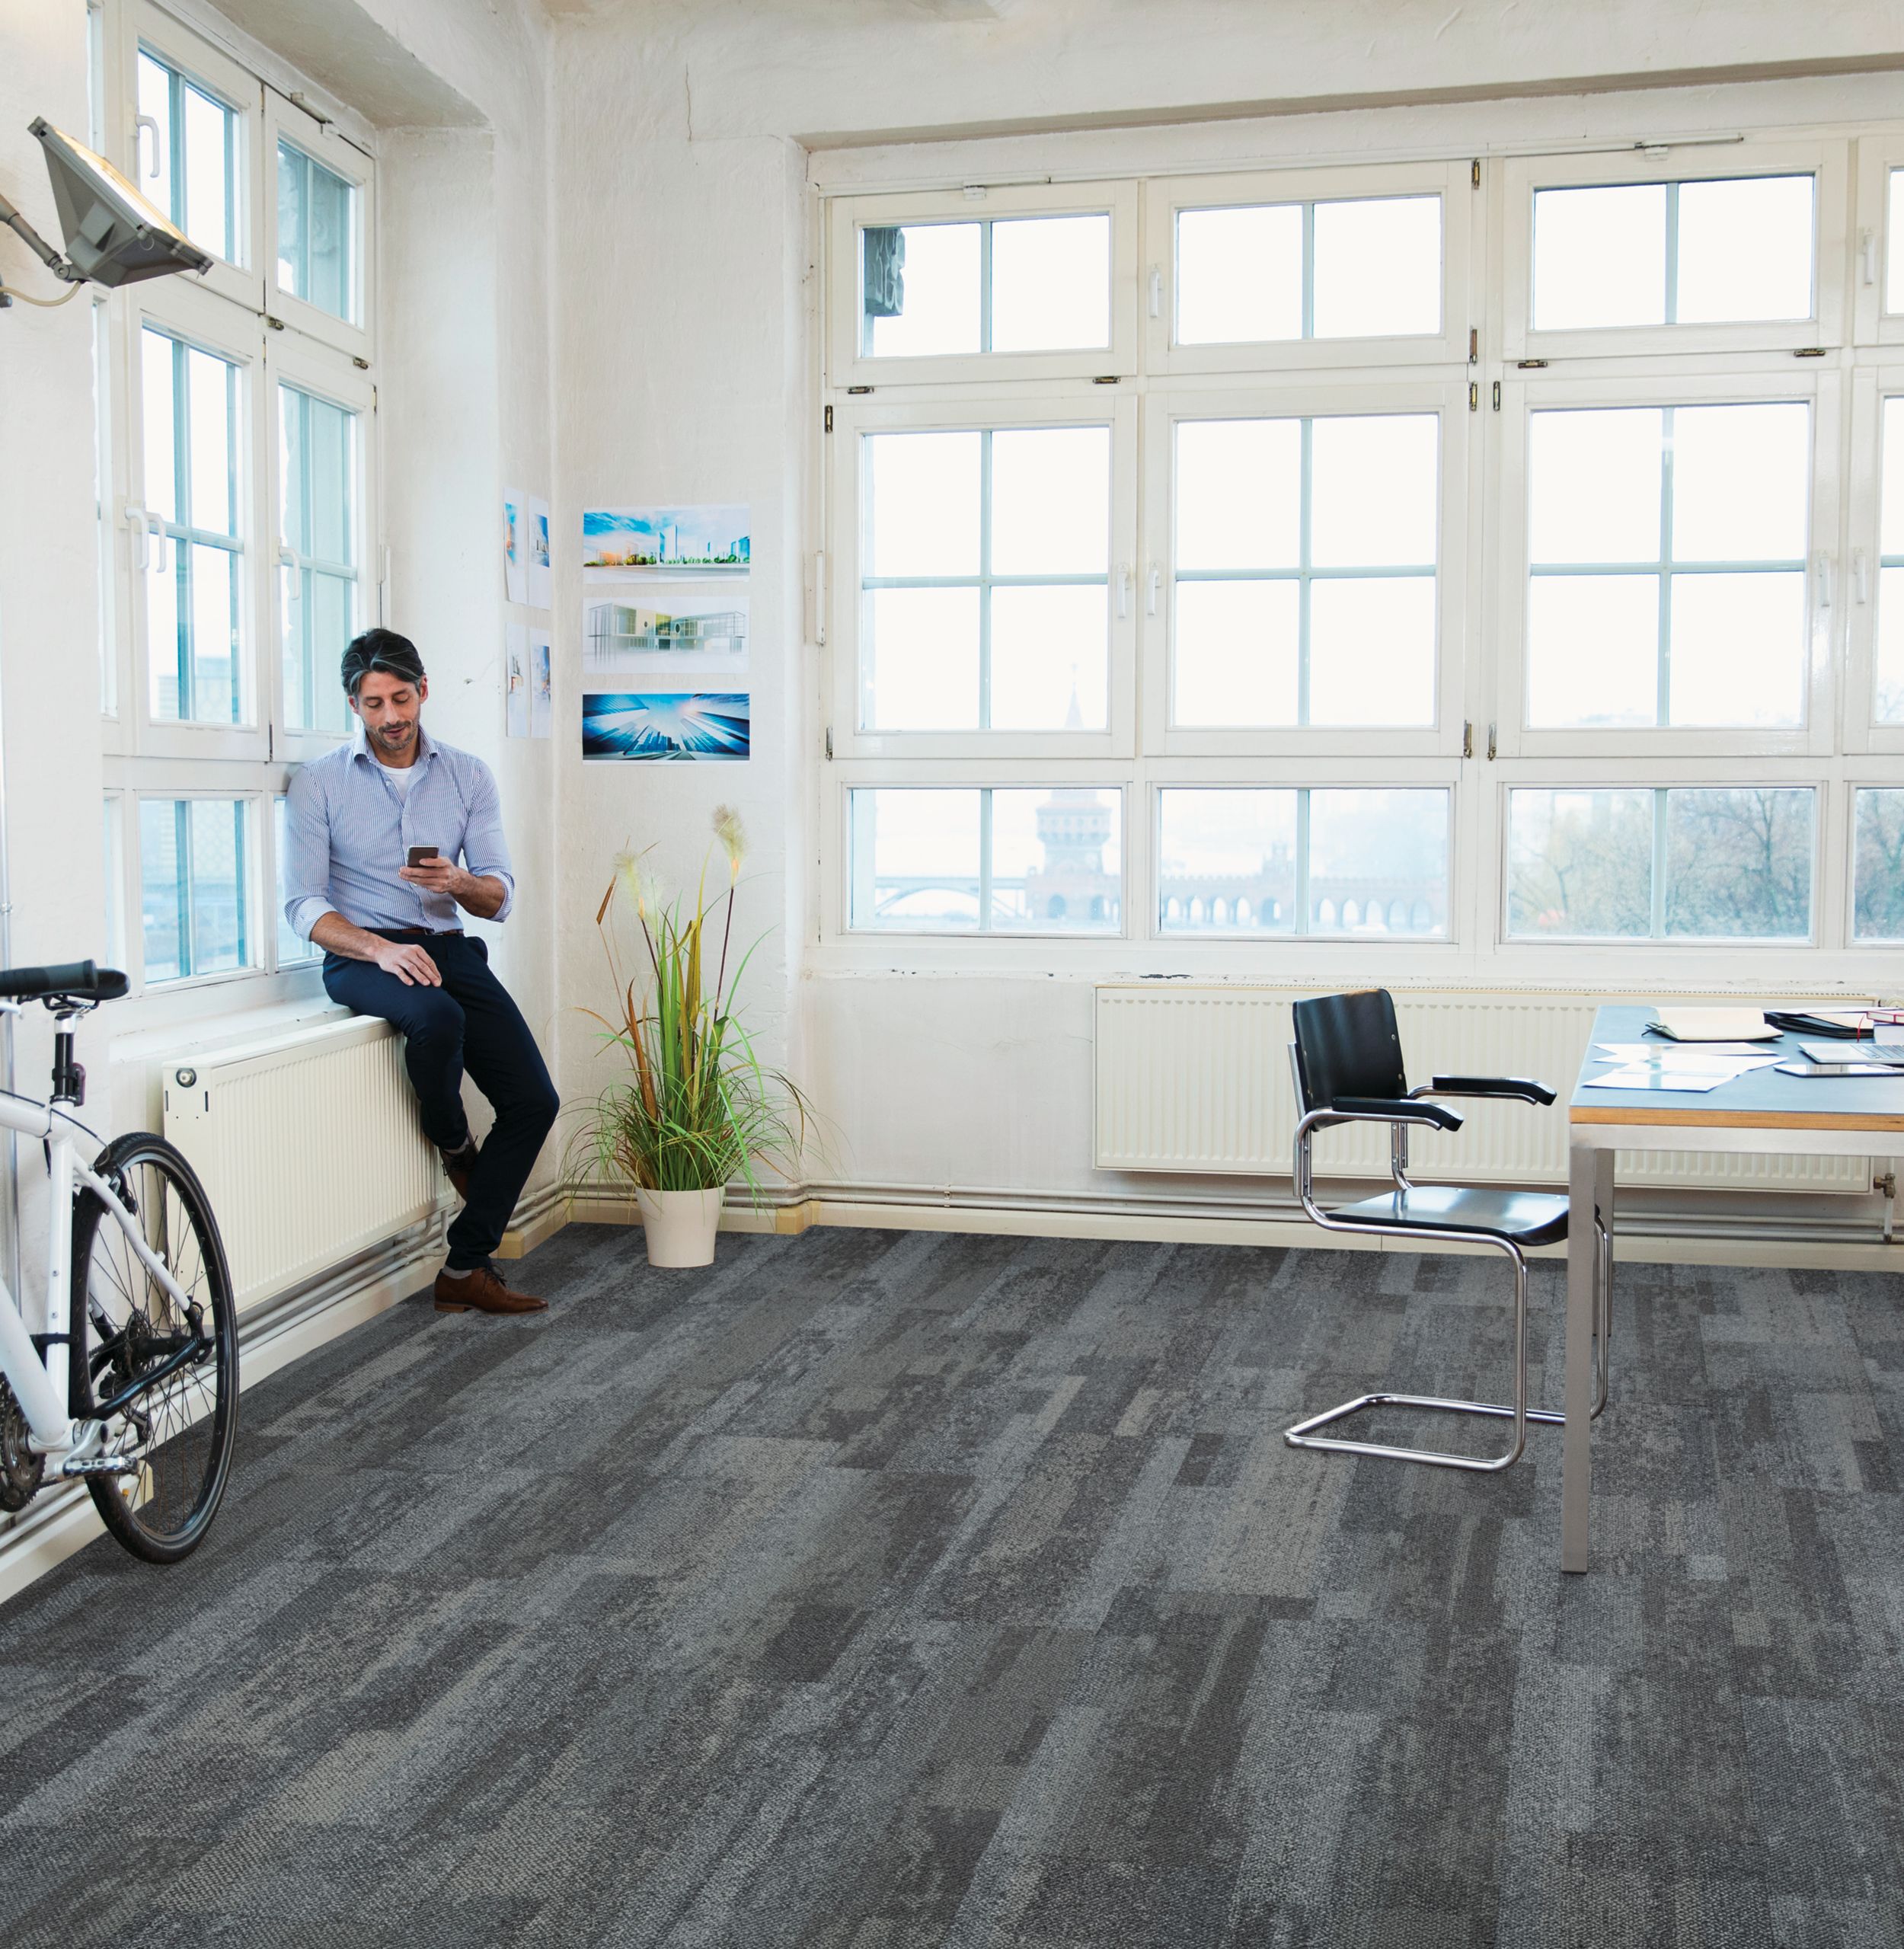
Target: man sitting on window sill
374	832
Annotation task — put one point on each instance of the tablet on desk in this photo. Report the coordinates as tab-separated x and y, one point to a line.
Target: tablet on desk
1847	1069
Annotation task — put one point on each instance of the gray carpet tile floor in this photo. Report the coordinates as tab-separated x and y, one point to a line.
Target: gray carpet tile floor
885	1590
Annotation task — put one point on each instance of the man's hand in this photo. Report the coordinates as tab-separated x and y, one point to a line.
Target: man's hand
409	962
439	876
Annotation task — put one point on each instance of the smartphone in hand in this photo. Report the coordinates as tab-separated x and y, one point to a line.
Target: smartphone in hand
419	854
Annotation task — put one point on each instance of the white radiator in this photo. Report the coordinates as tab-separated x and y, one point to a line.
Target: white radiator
1195	1077
308	1146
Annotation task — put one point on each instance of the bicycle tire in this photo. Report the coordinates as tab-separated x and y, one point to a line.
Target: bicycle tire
124	1324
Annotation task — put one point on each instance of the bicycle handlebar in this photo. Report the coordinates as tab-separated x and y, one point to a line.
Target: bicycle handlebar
83	980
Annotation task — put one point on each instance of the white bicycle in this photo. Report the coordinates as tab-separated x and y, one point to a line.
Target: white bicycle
133	1386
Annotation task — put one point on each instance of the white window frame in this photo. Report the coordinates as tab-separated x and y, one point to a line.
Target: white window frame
849	366
1828	161
1332	397
1165	196
325	144
1821	391
1869	240
1864	732
192	54
1079	406
258	881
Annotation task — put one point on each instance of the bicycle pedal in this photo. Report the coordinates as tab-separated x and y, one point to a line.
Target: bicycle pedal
101	1465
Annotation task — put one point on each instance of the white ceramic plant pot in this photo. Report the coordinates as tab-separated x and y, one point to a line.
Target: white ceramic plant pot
680	1225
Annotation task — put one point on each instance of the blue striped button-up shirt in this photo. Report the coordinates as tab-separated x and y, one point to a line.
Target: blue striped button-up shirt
348	831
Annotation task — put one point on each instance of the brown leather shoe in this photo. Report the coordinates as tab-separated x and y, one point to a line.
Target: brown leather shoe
481	1291
457	1166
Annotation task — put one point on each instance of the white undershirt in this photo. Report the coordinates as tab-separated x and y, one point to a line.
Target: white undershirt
402	776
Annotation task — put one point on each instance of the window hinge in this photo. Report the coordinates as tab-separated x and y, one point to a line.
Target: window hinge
270	743
1490	744
1809	352
819	602
1156	291
1497	395
276	324
829	740
1468	739
362	365
1473	343
830	419
1473	173
1531	365
1105	378
856	390
1474	396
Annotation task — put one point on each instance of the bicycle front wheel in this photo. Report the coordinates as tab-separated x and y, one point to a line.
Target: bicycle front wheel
170	1374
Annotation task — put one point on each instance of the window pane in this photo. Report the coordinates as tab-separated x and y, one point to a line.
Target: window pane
1050	658
1745	250
1739	864
1226	862
1738	650
1593	649
213	656
1057	860
211	458
916	859
293	947
1878	841
1373	850
920	661
1373	488
208	131
1371	650
167	656
1239	275
193	873
1235	654
156	352
1894	245
1594	485
317	488
1600	256
1051	501
1377	267
1741	482
1890	646
334	622
156	101
1239	493
1891	537
920	289
317	244
1050	283
1580	864
922	504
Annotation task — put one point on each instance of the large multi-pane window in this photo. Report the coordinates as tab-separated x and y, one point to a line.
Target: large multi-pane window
244	518
1503	558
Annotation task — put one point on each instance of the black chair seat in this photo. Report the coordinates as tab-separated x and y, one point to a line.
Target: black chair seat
1528	1218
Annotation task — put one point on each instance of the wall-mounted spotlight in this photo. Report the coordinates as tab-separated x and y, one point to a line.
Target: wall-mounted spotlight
114	235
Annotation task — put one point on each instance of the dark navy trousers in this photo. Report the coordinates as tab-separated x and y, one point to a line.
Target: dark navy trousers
470	1023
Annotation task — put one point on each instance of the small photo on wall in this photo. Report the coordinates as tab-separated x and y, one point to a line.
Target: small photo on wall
699	541
689	726
655	628
516	678
542	583
515	546
541	694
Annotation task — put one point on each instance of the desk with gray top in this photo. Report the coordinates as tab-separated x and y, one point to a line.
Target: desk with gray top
1761	1113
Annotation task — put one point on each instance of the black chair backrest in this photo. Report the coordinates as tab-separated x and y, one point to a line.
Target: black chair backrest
1347	1045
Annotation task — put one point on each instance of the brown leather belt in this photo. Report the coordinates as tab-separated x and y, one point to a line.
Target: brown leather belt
408	934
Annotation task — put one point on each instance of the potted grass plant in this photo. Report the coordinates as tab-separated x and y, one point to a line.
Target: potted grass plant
697	1110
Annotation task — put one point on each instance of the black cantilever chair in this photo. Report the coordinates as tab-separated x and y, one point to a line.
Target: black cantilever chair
1347	1059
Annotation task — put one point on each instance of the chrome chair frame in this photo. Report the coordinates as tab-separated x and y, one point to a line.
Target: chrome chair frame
1303	1434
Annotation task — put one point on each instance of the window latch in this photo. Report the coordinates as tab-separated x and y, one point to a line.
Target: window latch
1155	583
1824	572
1867	255
135	520
1468	739
141	123
1861	578
1157	289
1490	744
1123	590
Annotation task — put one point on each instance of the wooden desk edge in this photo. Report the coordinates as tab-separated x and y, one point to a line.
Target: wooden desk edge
1739	1119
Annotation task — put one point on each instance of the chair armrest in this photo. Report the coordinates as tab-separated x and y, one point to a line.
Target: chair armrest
1520	1086
1393	1110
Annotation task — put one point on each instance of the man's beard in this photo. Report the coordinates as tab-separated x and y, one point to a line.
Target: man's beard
395	735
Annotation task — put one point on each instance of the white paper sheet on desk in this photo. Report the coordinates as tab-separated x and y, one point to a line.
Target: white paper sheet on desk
1688	1080
1684	1052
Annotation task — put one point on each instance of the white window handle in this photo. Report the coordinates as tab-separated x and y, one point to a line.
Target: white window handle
140	124
161	553
1824	570
1860	577
1868	255
1155	583
141	536
1123	590
1156	292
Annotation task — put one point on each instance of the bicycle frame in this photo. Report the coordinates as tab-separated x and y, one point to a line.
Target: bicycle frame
40	1384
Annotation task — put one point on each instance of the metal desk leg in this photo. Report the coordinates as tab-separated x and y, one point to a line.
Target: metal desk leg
1584	1173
